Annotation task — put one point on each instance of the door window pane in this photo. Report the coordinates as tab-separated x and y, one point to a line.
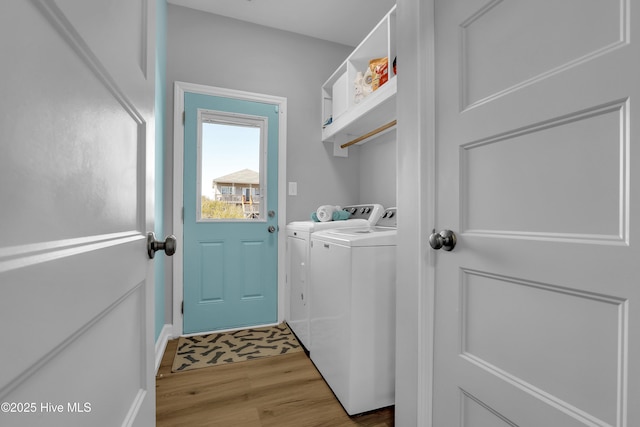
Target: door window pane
230	178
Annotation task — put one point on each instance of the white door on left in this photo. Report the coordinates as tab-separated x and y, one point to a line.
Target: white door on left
76	199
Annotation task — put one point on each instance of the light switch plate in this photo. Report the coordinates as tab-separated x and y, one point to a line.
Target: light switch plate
293	188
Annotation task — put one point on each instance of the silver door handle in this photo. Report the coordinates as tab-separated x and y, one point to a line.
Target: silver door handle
168	246
446	239
271	229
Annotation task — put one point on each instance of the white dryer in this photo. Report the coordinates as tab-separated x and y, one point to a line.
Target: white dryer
352	320
298	244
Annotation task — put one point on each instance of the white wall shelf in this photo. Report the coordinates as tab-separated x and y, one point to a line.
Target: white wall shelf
351	120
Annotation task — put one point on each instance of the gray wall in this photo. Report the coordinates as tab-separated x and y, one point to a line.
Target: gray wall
377	170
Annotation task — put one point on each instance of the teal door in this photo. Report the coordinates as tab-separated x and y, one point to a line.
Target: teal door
230	213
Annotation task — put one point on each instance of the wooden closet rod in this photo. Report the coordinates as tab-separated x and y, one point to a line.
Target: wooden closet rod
369	135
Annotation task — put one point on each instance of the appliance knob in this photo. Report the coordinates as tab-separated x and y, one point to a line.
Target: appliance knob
353	210
368	210
362	210
390	214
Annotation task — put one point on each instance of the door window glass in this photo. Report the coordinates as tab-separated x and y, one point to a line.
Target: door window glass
231	176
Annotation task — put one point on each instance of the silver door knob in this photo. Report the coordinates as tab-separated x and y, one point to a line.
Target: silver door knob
271	229
446	239
168	246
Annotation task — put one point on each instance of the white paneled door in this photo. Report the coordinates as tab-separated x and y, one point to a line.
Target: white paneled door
537	307
76	200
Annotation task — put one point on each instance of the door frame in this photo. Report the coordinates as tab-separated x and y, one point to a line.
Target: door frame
178	168
416	184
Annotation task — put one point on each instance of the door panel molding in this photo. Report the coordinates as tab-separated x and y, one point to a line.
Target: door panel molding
603	319
178	168
74	39
473	409
567	42
104	116
585	138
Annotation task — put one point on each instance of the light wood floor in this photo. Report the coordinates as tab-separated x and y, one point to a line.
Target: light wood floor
278	391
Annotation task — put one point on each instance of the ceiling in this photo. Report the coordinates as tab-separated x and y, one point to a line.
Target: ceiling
341	21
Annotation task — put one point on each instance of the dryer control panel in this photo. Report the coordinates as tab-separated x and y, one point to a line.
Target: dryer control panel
388	218
371	213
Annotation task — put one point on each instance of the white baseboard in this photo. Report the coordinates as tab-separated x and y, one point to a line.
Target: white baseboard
161	344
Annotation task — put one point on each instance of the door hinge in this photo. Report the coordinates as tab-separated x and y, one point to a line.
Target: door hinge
182	307
183	117
182	215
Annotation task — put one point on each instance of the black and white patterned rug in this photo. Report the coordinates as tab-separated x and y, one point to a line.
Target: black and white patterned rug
237	346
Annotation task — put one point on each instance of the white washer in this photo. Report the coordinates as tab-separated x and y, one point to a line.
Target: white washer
352	324
298	244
